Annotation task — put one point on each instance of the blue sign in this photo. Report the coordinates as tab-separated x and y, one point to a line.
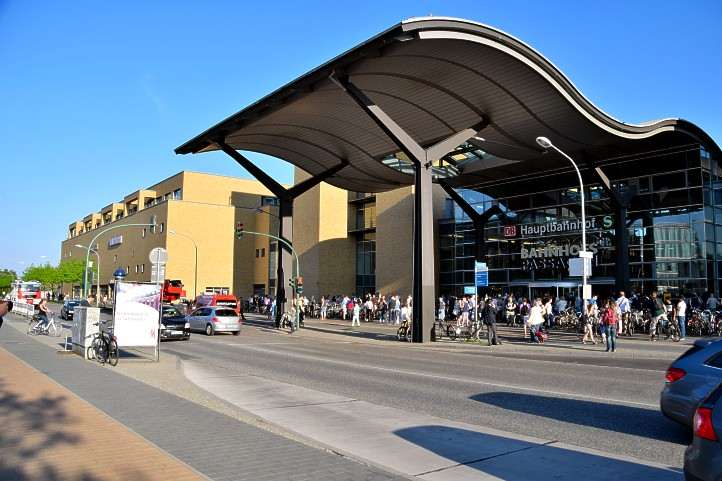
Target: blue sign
469	290
481	274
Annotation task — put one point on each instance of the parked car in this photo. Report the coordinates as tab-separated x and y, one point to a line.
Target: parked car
66	312
703	458
690	379
211	319
173	324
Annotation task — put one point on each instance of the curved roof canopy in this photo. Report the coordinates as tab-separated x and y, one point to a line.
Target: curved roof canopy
434	77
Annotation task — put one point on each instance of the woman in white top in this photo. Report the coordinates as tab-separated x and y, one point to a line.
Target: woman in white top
536	318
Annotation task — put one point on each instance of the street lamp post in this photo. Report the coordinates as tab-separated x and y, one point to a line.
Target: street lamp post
195	277
97	255
547	144
87	254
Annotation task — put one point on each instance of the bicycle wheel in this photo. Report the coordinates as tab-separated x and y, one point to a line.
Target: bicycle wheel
90	353
113	352
101	350
54	330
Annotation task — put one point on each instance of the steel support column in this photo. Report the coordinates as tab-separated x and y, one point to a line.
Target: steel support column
286	197
422	158
621	199
479	220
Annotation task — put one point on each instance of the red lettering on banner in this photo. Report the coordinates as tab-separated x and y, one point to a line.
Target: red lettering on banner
509	231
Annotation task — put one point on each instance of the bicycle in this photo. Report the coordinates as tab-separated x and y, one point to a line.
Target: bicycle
104	346
403	333
288	321
51	328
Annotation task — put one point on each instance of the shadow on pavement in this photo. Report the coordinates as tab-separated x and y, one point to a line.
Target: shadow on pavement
637	421
346	331
514	460
32	428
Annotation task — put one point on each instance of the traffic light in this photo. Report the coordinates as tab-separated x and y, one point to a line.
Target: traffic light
239	230
299	285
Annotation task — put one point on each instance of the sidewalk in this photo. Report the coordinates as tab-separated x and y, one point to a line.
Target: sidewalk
213	444
48	433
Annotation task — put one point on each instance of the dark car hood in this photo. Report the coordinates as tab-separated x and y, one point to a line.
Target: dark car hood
173	321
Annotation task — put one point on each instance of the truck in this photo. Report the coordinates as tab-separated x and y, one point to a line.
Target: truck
172	291
215	299
27	292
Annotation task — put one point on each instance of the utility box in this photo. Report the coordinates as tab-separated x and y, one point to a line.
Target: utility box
85	326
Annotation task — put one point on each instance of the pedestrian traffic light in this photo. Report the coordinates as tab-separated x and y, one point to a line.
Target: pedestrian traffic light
299	285
239	230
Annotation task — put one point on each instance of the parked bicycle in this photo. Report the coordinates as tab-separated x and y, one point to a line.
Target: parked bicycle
104	345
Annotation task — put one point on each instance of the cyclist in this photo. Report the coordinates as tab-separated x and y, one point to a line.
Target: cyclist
43	314
658	314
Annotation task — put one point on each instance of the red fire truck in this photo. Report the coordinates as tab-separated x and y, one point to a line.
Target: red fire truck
215	299
25	292
172	291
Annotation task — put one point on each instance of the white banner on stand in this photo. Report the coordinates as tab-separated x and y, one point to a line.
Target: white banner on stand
137	314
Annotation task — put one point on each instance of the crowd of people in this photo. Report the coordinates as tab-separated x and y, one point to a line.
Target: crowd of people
603	319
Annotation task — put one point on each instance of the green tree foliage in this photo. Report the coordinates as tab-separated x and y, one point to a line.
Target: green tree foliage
68	271
6	278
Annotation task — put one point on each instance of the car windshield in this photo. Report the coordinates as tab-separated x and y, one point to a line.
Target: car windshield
226	313
171	312
72	303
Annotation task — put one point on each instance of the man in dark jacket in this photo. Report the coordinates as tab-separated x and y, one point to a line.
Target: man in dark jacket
490	320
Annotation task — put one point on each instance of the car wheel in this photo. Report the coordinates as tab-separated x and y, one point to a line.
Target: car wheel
236	333
209	330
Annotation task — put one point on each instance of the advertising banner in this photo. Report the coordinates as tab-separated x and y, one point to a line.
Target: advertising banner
137	314
481	274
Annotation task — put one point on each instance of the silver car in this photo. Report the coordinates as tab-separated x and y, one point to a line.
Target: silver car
703	458
215	319
690	379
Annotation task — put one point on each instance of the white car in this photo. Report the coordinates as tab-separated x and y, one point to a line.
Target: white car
214	319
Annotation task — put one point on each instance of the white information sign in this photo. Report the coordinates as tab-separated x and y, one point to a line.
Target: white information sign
137	314
157	273
158	255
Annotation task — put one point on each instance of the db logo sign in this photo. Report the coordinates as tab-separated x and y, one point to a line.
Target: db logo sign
509	231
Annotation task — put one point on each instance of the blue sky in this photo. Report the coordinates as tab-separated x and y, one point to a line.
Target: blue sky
94	96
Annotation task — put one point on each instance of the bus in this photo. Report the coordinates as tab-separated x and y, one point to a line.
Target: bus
25	292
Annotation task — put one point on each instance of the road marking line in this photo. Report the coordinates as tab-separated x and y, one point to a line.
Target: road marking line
449	378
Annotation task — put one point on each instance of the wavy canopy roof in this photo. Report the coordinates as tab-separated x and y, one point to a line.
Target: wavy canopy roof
437	76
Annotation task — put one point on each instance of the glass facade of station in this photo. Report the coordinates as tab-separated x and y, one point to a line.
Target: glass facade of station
674	225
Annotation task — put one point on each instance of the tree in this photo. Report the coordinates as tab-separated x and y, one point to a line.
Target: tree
6	279
71	271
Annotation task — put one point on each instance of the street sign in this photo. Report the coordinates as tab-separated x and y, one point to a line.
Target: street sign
481	274
158	255
157	273
576	266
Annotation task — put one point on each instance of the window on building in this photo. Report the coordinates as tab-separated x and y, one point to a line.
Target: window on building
142	268
127	269
142	233
149	202
137	268
267	200
115	258
162	227
257	250
263	252
178	194
366	263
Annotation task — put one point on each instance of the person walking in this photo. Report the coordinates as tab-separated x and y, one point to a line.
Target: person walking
536	319
588	317
624	309
397	310
489	317
658	313
682	317
609	320
324	307
441	312
356	310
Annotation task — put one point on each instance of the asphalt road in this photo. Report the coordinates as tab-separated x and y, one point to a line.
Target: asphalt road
577	395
